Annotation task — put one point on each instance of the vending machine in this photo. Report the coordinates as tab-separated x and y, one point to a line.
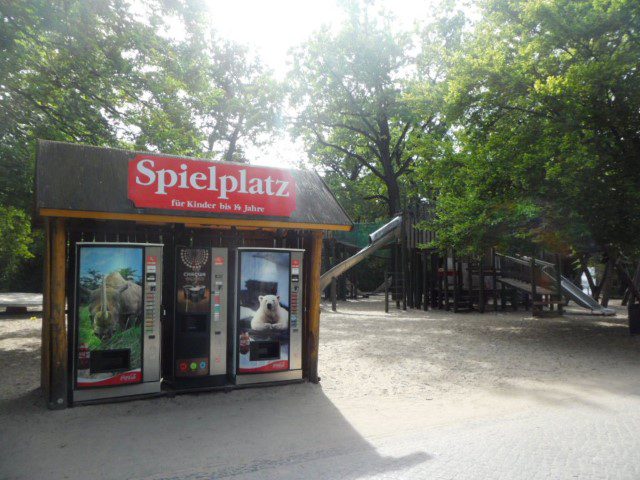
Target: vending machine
200	317
268	315
116	320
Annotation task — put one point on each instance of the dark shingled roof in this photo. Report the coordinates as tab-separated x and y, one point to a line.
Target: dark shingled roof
94	179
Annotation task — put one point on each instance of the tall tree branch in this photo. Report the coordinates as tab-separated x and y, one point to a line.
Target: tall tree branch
350	154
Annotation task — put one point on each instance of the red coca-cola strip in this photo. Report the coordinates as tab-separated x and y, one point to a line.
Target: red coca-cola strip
134	376
276	366
192	185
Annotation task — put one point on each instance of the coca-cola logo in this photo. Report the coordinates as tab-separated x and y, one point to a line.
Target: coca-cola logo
180	184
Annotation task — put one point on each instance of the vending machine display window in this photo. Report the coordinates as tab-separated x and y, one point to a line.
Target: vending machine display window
109	310
200	322
268	333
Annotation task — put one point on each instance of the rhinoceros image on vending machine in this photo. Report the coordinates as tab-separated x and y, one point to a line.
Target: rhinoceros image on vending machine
109	313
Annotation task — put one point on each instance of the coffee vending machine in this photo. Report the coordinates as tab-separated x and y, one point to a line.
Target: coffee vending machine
267	343
115	333
200	318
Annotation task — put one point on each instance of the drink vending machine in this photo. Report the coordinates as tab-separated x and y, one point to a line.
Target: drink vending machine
200	317
116	320
268	315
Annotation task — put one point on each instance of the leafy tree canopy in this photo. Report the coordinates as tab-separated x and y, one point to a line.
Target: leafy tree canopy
107	72
546	97
350	89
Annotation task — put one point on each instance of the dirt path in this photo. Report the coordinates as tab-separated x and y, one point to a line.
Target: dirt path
405	395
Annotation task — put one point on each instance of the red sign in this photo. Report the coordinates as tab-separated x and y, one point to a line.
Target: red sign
180	184
218	261
295	263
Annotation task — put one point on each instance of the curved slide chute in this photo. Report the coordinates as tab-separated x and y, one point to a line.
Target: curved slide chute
574	292
386	234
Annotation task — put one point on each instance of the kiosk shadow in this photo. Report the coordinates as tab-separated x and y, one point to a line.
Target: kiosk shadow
277	432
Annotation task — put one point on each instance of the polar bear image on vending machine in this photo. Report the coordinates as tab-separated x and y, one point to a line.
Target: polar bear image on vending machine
262	332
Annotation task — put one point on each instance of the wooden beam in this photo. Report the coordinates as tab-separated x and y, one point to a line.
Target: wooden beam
192	221
313	315
58	335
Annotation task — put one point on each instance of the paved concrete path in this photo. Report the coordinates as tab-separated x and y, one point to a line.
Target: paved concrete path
568	442
409	395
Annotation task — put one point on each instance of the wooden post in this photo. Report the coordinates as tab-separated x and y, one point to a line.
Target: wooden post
58	332
436	286
403	258
636	281
456	281
426	283
559	283
45	351
481	299
408	278
494	266
334	293
355	285
386	291
313	314
469	281
446	280
396	269
533	287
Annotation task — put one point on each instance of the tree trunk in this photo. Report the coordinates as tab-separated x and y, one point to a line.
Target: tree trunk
233	142
635	292
605	286
603	280
384	145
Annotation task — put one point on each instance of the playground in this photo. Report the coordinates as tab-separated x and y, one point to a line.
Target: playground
407	394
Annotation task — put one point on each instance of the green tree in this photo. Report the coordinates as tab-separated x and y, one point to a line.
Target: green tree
104	73
248	110
349	89
16	238
546	97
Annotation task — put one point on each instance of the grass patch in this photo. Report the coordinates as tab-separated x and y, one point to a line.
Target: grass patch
129	338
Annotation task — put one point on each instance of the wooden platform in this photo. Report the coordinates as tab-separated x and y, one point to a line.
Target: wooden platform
524	286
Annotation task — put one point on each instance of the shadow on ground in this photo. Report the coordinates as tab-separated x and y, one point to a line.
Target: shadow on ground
252	433
240	434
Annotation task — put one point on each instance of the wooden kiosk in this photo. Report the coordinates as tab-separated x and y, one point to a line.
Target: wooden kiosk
89	196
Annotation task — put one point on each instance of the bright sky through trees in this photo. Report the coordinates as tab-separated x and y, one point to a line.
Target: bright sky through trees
271	28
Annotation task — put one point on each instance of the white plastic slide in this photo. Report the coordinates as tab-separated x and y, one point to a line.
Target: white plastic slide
384	235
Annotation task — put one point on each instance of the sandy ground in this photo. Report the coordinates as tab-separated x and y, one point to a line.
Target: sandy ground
403	395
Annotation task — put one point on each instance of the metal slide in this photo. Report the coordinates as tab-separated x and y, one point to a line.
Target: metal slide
574	292
383	236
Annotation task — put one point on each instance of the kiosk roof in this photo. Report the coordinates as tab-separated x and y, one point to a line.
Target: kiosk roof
94	182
